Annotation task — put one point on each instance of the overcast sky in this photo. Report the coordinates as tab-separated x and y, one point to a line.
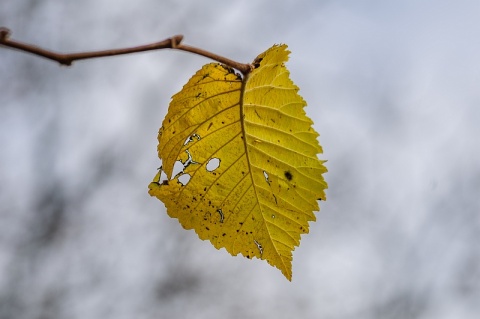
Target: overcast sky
393	89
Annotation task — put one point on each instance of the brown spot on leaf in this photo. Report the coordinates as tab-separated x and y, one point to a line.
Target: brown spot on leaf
288	175
256	63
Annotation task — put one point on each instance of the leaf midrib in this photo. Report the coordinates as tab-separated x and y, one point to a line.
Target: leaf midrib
245	144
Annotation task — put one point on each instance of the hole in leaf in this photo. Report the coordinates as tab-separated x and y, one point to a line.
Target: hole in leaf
219	211
265	174
189	160
163	177
192	138
260	248
213	164
177	168
184	179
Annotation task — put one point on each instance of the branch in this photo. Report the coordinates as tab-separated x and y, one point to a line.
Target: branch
69	58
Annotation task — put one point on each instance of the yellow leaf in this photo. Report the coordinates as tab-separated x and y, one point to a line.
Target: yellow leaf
247	176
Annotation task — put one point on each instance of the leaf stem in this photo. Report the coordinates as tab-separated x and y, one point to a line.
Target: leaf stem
245	68
68	58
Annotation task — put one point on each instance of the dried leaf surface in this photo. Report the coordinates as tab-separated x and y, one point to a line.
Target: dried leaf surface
240	161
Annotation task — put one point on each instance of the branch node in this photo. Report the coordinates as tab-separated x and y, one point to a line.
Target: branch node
4	33
175	41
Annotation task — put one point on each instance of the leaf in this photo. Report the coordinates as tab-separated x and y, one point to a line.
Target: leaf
240	161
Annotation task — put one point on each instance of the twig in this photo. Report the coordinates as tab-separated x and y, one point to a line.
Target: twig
245	68
68	58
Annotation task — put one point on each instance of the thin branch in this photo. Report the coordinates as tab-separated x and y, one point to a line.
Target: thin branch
69	58
245	68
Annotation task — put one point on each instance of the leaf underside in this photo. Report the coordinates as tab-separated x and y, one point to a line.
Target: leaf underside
240	161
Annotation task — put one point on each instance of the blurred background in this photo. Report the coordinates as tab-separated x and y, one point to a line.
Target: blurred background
393	89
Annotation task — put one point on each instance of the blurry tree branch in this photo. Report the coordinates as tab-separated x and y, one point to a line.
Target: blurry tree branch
68	58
